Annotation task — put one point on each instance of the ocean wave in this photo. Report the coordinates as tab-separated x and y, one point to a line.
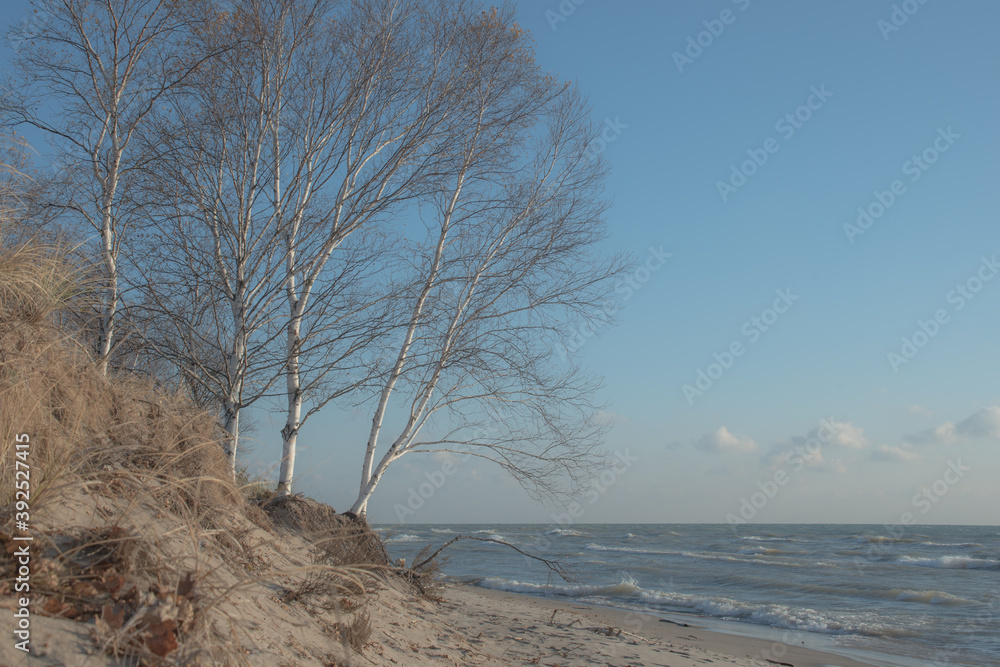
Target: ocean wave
627	592
883	539
626	587
897	594
761	551
929	597
490	535
445	531
956	545
631	550
757	559
774	615
951	562
758	538
564	531
405	537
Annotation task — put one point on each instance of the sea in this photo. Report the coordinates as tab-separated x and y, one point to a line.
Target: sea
902	595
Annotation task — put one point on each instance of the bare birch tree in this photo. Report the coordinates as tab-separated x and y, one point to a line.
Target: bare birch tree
367	103
213	261
281	149
91	74
509	257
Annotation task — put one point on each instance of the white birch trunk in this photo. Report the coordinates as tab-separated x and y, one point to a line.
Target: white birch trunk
110	307
231	425
369	480
109	185
236	365
293	389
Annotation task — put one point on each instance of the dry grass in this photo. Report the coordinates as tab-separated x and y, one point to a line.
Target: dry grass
356	633
15	180
134	513
428	579
338	542
36	282
256	489
44	381
117	449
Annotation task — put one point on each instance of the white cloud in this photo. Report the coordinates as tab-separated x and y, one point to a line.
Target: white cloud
842	434
918	410
981	425
809	448
892	453
725	442
939	435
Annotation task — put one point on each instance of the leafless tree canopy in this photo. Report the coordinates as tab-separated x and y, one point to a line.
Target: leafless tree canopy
301	203
90	75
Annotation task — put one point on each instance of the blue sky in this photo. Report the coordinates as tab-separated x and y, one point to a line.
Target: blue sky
891	434
784	228
826	357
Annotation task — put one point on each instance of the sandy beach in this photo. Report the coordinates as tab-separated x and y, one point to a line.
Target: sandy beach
474	626
375	333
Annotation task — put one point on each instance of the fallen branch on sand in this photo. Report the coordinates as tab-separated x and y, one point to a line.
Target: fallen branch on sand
551	564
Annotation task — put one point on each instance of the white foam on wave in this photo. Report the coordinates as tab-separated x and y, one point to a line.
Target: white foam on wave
626	587
760	551
490	535
445	531
629	593
759	538
631	550
957	545
951	562
405	537
564	531
774	615
759	559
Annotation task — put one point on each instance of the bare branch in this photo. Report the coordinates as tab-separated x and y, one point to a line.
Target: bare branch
553	566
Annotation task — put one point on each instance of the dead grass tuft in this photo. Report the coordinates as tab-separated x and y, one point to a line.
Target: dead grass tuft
37	282
356	633
150	456
139	529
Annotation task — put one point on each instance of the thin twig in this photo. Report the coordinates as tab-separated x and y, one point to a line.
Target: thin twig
551	564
